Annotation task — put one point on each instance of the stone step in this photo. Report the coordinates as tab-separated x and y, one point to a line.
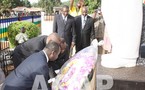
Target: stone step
124	78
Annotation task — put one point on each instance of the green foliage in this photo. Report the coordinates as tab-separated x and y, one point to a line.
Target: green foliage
9	4
4	5
14	28
92	4
48	5
34	5
66	3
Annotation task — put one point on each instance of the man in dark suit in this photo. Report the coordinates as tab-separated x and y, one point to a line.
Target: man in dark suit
22	78
64	25
2	77
84	30
62	58
21	52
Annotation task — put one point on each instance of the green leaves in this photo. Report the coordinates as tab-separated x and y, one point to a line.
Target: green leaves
9	4
48	5
14	28
92	4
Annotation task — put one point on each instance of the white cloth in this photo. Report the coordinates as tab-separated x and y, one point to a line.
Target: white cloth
21	37
84	19
64	18
51	80
46	56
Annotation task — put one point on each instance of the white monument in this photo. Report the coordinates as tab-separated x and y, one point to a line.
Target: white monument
123	19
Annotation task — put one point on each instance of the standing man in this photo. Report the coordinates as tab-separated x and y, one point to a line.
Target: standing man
99	24
64	25
84	30
22	78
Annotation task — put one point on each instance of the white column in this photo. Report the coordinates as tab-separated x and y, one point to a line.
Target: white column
123	20
46	25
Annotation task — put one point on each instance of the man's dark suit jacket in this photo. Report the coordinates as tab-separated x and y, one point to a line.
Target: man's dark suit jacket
66	31
23	76
84	36
27	48
34	45
62	58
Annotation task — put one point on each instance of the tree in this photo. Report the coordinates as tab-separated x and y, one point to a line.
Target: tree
48	5
34	5
92	4
9	4
26	3
5	4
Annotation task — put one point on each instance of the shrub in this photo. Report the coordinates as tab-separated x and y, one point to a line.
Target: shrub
14	28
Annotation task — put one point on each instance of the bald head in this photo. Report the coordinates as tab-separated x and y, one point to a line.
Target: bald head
56	38
84	10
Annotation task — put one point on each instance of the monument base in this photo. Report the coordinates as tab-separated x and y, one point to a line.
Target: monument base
110	61
132	78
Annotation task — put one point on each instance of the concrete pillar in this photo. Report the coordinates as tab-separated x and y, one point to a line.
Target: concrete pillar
46	25
123	19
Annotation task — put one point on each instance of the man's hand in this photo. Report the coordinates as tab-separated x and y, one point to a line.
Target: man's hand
71	49
72	45
82	2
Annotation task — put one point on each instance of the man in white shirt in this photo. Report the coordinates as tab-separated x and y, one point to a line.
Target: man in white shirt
84	29
21	37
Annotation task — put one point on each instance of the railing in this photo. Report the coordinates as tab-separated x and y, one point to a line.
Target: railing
6	21
6	64
48	17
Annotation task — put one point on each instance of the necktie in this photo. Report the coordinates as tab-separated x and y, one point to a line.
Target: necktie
84	22
64	20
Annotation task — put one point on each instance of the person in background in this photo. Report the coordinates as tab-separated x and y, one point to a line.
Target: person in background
99	24
101	33
22	78
64	25
84	29
75	11
21	37
99	27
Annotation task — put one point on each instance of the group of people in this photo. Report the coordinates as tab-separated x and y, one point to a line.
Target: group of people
35	57
75	25
38	55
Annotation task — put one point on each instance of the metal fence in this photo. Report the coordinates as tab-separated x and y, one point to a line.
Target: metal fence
6	21
6	64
